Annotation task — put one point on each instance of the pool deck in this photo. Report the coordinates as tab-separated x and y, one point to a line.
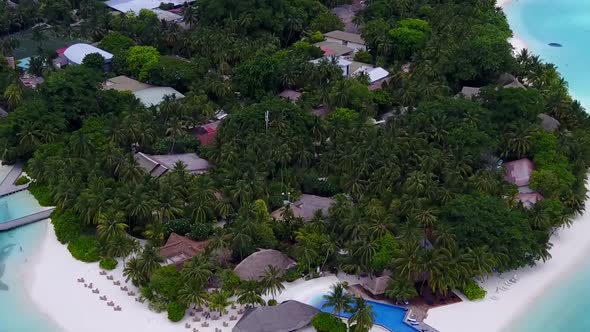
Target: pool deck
7	187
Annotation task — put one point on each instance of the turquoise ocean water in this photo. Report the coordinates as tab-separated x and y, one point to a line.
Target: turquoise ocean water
539	22
567	22
17	247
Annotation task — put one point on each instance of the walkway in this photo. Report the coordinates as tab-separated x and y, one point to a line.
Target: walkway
7	185
31	218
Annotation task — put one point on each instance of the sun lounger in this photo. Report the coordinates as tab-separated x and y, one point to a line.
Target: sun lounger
411	320
225	324
96	291
187	325
197	319
414	323
103	273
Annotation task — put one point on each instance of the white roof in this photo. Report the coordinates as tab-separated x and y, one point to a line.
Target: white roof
135	6
374	74
155	95
77	52
167	16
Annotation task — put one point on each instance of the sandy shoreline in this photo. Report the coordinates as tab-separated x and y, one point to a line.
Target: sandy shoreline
569	252
517	42
52	287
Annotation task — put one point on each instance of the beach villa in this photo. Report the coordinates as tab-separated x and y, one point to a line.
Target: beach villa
306	207
288	316
254	266
158	165
518	172
147	94
376	286
290	95
180	249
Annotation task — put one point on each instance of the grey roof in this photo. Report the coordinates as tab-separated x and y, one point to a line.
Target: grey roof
549	123
124	83
346	36
377	286
154	96
469	92
157	165
254	266
286	317
306	207
333	49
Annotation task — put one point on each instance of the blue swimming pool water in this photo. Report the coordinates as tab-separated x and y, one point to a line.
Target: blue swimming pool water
388	316
17	247
567	22
18	205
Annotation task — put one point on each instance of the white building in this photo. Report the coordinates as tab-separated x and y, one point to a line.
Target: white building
76	53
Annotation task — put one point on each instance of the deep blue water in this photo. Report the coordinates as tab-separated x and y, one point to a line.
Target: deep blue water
567	22
388	316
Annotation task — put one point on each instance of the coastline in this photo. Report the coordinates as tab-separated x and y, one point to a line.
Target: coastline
517	42
53	289
569	253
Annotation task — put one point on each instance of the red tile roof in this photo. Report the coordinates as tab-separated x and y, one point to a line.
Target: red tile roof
179	249
207	133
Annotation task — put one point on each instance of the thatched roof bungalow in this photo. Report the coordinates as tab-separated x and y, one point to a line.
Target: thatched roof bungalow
286	317
254	266
179	249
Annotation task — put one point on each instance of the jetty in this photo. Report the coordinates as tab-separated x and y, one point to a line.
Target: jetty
7	187
31	218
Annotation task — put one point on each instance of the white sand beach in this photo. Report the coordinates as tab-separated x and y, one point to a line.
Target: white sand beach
53	288
570	251
517	42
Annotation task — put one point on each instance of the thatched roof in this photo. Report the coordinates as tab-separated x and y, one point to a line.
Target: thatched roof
287	316
549	123
158	165
377	286
179	249
254	266
306	206
469	92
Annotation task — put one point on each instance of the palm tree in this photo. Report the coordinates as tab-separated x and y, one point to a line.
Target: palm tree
150	259
134	271
250	293
362	316
154	232
272	282
401	290
338	299
219	300
198	269
481	260
122	246
194	293
190	15
111	225
13	95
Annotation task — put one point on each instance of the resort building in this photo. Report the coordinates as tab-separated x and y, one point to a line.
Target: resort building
376	75
158	165
136	6
180	249
76	53
207	133
306	207
352	40
288	316
254	266
334	49
290	95
376	286
147	94
519	172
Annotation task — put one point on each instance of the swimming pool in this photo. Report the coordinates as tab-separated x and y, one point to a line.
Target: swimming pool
18	205
388	316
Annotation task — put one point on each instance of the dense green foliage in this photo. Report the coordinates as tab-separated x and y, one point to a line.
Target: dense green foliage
325	322
176	311
423	194
473	291
67	225
85	249
22	180
108	263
